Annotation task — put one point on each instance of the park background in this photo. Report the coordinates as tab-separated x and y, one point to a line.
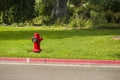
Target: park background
77	29
67	13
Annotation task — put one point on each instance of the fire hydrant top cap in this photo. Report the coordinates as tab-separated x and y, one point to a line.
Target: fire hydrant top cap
36	34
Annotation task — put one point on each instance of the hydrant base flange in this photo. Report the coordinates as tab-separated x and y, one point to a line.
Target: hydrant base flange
37	51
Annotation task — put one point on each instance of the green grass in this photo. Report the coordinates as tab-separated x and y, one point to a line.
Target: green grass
59	43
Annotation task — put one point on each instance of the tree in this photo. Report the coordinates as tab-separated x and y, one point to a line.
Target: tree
59	8
16	10
51	10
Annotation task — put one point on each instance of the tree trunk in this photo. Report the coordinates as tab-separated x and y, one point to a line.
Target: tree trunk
59	8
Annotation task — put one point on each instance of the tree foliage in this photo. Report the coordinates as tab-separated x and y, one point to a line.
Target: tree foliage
16	10
75	13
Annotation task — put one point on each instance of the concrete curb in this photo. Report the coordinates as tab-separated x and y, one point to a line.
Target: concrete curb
59	61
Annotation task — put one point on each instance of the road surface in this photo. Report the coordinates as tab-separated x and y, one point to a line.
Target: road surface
46	72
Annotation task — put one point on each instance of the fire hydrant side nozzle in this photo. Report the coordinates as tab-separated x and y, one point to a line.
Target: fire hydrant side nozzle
36	40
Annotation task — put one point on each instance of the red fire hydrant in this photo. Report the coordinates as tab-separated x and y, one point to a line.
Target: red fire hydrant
36	40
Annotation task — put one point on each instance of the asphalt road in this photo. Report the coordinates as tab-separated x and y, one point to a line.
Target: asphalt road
43	72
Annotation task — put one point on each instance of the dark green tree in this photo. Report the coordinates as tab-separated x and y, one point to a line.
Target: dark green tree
16	10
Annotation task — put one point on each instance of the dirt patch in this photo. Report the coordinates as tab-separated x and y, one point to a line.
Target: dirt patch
116	38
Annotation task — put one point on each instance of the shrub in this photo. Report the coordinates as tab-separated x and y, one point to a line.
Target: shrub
97	18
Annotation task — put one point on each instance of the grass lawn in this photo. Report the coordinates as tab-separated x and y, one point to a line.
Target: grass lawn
59	43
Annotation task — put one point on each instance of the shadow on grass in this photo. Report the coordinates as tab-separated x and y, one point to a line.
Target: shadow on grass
117	55
54	34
